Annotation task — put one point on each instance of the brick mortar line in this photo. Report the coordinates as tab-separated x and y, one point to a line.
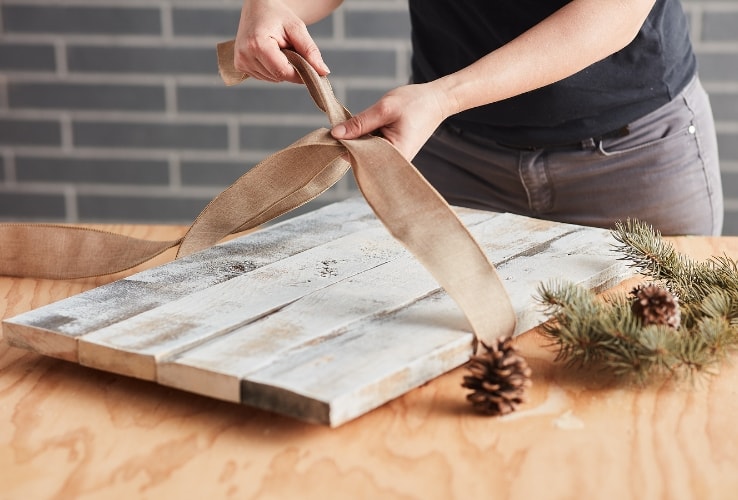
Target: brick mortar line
112	78
723	87
3	92
234	136
729	167
182	41
361	4
97	39
66	131
104	153
118	3
70	204
709	48
402	63
245	158
706	3
170	97
162	118
135	191
707	7
60	57
10	178
102	189
730	205
204	81
192	5
366	44
730	127
361	83
152	191
339	26
167	21
695	25
40	188
174	170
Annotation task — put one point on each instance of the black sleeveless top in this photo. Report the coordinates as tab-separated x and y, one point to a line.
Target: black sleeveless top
448	35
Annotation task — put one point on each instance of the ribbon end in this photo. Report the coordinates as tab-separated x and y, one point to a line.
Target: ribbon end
226	68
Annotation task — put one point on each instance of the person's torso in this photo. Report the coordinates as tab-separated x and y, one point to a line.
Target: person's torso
449	35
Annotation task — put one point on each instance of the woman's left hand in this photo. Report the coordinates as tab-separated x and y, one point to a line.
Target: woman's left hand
406	116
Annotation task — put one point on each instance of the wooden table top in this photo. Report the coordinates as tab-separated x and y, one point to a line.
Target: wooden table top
71	432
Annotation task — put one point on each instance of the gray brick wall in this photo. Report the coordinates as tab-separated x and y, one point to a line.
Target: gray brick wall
112	110
715	35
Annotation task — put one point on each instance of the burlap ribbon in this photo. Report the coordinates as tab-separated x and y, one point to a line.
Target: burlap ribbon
413	212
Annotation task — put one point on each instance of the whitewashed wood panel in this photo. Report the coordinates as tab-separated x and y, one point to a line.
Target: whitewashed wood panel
183	323
216	368
322	317
335	380
131	347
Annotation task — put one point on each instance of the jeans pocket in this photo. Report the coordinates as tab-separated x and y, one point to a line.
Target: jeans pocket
616	147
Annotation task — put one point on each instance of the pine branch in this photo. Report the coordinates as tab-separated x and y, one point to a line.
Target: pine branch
654	257
590	331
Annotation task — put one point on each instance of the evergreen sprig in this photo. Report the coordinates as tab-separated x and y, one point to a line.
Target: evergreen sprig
604	332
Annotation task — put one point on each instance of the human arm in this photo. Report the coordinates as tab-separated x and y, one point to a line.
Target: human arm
268	26
573	38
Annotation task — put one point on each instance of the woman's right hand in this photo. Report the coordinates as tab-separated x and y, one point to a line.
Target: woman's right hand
265	28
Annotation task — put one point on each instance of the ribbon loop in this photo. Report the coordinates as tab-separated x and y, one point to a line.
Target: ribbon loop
320	89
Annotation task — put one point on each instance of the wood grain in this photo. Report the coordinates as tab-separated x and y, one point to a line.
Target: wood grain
72	432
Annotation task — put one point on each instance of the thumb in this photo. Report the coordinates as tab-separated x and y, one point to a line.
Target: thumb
355	127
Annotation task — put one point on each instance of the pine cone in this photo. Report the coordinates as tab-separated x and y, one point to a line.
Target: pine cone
499	377
655	305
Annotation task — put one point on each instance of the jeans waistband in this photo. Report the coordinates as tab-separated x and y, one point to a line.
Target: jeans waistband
578	145
583	144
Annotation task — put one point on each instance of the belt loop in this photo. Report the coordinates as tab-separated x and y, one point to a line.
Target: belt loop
589	143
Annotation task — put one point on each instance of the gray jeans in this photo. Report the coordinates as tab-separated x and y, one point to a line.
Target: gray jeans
665	172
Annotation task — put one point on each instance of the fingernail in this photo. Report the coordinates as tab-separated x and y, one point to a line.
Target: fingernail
326	69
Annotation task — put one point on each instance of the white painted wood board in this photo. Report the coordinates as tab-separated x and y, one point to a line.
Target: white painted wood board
322	317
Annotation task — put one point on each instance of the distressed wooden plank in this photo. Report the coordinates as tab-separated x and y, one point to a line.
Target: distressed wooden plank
41	340
380	358
379	287
336	380
133	346
64	321
582	256
216	367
